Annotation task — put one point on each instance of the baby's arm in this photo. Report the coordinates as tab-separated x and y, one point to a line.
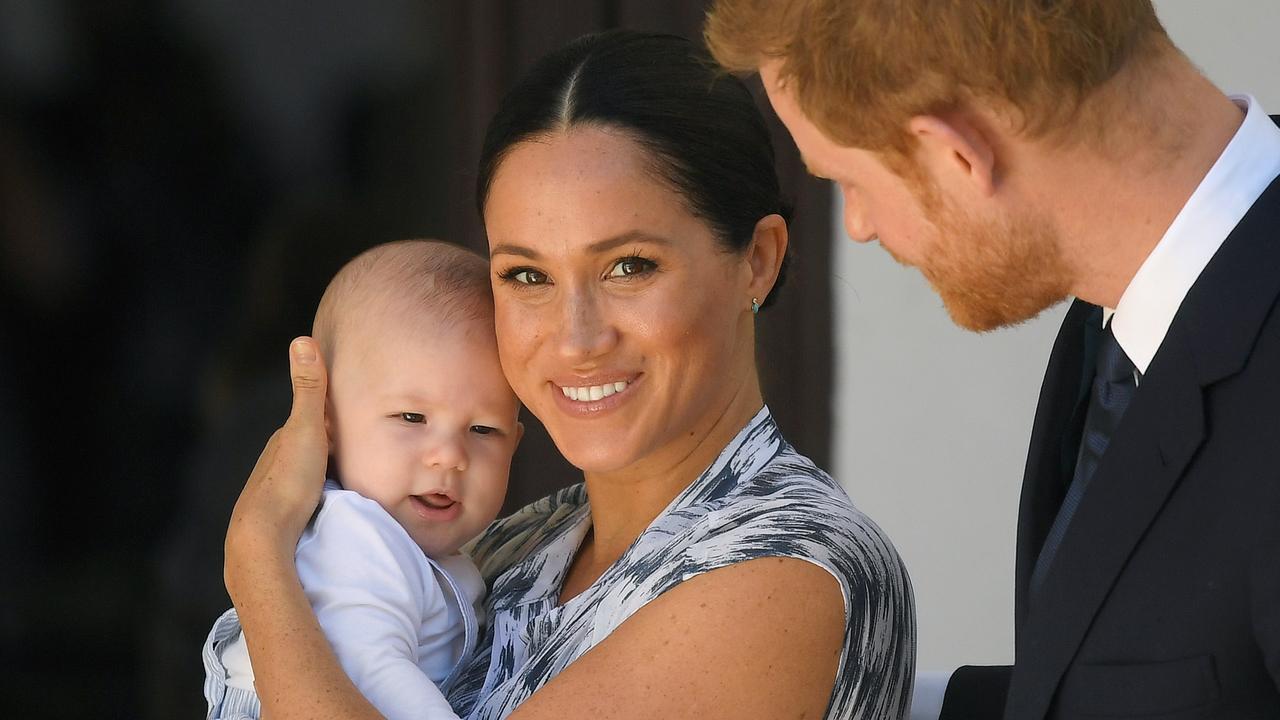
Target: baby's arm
366	581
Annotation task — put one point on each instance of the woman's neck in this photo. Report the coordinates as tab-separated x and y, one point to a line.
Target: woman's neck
625	502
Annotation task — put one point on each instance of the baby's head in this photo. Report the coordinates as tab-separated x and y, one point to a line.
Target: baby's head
420	417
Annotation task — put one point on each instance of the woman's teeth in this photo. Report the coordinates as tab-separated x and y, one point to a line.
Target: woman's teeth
593	392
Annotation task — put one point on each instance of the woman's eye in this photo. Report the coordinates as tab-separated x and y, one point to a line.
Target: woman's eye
626	267
483	429
525	276
412	417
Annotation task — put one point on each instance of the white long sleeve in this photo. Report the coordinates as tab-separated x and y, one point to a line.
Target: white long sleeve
381	606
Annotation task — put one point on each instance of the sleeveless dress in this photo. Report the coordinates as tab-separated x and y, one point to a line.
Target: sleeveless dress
760	498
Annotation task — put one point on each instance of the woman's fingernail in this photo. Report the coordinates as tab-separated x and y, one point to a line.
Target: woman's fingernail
303	351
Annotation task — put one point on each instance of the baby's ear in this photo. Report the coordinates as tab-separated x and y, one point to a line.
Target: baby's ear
519	434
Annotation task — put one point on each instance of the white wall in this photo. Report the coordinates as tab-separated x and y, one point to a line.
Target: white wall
932	423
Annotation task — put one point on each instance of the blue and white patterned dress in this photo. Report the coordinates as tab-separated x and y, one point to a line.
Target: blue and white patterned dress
760	498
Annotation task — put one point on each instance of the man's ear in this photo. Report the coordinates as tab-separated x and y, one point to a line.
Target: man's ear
764	256
956	152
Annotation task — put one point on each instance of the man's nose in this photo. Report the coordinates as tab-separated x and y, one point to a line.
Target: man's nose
855	219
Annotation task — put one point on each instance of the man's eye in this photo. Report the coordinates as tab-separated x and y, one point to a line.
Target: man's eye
412	417
483	429
629	266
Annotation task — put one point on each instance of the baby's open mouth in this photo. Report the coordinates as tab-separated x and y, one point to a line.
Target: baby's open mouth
439	501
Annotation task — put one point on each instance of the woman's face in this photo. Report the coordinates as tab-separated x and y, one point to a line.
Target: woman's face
623	323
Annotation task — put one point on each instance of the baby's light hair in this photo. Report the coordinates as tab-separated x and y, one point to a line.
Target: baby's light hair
436	281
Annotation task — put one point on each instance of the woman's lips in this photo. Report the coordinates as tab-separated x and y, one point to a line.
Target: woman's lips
436	507
590	398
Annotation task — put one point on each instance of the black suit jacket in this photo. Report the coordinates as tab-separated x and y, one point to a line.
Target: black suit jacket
1164	598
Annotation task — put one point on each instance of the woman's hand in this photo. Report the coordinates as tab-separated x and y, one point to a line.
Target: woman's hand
296	673
285	485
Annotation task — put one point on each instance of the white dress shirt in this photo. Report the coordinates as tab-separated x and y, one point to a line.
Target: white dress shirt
1246	167
1140	321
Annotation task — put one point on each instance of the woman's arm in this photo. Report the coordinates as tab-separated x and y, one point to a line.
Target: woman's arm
295	671
759	639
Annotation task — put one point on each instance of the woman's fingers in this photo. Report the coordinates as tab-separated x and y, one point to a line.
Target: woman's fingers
294	470
285	485
305	427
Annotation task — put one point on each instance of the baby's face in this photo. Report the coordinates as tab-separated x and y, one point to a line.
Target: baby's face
424	423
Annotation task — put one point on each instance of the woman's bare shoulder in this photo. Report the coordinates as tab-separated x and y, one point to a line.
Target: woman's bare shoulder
757	639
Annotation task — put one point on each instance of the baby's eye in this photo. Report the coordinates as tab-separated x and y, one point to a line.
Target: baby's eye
413	417
525	276
483	429
629	266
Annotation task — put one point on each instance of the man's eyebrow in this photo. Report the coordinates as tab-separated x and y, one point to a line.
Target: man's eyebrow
600	246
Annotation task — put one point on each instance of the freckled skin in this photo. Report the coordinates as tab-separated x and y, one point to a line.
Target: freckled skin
675	327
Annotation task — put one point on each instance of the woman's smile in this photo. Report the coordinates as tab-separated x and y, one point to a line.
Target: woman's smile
636	320
590	399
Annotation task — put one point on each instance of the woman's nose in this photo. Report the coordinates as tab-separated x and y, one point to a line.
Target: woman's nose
585	331
447	452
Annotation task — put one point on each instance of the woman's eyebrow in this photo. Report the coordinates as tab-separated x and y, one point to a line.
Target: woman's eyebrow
632	236
600	246
508	249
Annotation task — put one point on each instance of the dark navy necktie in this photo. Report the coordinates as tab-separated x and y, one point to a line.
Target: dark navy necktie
1113	387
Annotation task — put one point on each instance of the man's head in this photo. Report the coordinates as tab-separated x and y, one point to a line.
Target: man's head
861	69
921	111
421	419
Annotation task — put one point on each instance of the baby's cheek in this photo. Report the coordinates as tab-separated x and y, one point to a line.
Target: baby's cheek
490	495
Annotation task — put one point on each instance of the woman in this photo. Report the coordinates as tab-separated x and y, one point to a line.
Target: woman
704	568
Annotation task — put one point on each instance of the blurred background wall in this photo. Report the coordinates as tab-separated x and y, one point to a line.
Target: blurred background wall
932	423
178	181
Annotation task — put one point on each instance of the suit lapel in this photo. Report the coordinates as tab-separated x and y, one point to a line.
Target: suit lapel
1132	483
1210	339
1046	474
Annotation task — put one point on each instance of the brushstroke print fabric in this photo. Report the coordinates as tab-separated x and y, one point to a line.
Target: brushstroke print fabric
760	498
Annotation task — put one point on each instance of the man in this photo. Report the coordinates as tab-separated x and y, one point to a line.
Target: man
1022	151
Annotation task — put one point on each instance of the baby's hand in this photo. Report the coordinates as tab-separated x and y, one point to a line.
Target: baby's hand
284	488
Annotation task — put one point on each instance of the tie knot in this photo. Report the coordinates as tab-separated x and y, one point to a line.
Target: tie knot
1113	365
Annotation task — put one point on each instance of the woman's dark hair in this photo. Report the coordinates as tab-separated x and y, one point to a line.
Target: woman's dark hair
700	125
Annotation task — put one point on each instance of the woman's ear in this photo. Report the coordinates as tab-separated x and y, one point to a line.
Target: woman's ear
764	256
957	153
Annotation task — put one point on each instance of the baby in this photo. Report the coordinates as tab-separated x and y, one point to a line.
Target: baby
422	426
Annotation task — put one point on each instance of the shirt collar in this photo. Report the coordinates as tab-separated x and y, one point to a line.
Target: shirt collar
1246	167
